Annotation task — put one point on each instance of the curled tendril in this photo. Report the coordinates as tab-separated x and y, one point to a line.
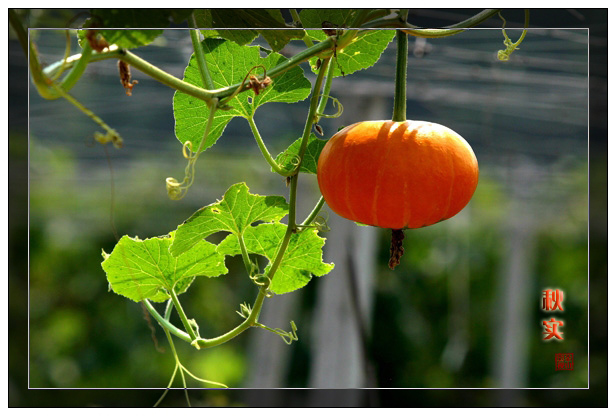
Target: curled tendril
337	103
320	223
264	282
261	280
175	189
290	159
503	55
287	336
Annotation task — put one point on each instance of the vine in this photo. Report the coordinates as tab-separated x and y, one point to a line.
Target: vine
206	99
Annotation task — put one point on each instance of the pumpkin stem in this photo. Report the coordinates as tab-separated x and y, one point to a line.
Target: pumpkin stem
396	250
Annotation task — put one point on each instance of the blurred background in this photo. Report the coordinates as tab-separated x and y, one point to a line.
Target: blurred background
463	309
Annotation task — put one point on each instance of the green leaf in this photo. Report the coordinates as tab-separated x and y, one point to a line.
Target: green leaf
302	259
144	269
229	64
288	159
255	21
363	52
237	210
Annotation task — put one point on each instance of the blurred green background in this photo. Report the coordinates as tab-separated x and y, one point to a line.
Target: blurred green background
463	310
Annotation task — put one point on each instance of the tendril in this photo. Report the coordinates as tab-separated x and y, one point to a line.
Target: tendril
504	54
290	159
320	223
337	103
177	190
287	336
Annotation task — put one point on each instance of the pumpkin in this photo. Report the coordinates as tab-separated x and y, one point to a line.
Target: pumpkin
397	175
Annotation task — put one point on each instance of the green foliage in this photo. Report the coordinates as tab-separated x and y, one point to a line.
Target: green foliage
363	51
229	64
235	213
144	269
158	268
289	158
256	21
303	257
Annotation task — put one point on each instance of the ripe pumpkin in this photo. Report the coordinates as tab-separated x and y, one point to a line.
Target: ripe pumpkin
397	175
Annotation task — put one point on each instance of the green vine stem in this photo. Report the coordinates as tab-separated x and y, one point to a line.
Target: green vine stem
266	154
199	55
431	33
165	78
183	318
114	52
292	226
313	214
165	323
401	64
247	263
326	91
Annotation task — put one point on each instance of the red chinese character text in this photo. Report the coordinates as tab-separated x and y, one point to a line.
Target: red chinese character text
552	300
551	329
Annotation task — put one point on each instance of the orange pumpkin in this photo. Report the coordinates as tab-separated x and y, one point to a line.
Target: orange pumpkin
397	174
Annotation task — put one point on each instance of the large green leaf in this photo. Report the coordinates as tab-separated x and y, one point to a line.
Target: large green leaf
235	213
288	159
144	269
229	64
302	259
363	52
255	21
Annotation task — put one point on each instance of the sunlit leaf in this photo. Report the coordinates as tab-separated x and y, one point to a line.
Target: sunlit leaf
144	269
229	64
237	211
302	259
363	52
